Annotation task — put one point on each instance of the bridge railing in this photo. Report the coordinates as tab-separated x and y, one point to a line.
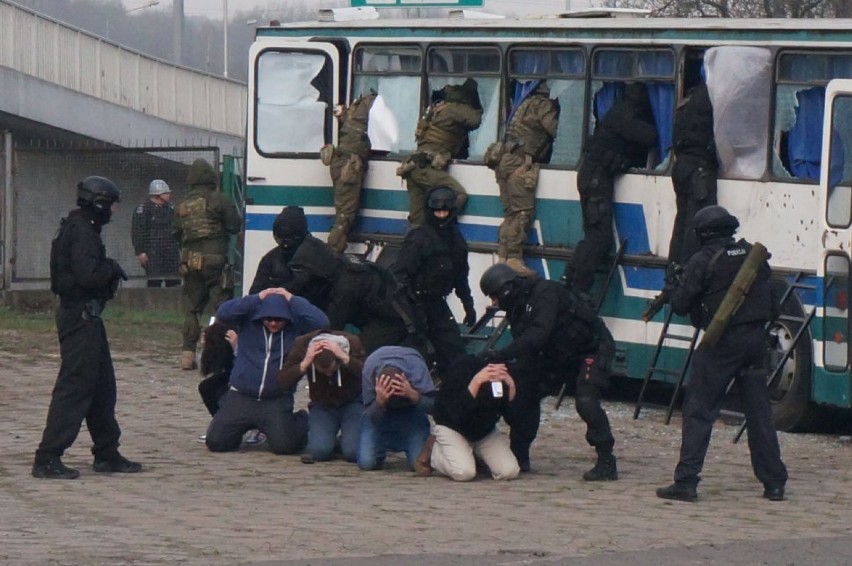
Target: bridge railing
55	52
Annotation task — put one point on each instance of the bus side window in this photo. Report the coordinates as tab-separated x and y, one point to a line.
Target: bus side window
293	90
800	107
839	209
564	70
454	65
394	73
655	69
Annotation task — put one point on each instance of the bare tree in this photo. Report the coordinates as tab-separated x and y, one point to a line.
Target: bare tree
744	8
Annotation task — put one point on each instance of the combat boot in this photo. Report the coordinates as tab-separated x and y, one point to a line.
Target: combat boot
187	360
678	491
604	470
53	469
519	267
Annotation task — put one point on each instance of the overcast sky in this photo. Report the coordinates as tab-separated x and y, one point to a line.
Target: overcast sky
213	8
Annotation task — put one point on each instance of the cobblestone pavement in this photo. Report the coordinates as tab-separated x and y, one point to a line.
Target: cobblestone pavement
194	507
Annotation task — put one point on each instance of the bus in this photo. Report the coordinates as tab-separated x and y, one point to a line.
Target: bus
782	121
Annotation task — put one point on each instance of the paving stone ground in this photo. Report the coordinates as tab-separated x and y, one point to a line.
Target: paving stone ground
191	506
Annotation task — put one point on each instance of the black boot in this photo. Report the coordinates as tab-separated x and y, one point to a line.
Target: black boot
116	464
678	492
604	470
54	469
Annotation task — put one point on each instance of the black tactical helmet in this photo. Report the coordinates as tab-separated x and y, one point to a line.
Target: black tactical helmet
713	222
98	193
495	278
441	198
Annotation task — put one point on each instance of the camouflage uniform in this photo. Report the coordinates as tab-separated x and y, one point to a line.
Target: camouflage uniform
441	135
528	143
203	222
348	166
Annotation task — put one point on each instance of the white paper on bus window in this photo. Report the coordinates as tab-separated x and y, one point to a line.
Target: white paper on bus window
739	80
382	127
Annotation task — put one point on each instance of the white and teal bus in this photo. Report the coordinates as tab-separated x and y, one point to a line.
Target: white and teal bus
783	125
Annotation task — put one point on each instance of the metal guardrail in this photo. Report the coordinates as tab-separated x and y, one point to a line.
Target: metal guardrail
55	52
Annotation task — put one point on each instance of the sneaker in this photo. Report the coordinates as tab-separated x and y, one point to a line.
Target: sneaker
307	459
605	469
118	464
678	492
54	469
202	439
254	438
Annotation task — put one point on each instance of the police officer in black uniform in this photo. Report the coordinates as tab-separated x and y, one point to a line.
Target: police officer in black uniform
431	263
621	140
350	291
695	169
556	336
738	355
85	279
290	230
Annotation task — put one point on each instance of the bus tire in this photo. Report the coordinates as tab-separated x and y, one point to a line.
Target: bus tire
790	392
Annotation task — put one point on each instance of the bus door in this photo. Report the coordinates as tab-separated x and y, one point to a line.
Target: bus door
293	88
833	386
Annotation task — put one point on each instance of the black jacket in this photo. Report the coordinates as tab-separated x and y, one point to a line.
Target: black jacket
457	409
274	268
79	267
433	262
548	319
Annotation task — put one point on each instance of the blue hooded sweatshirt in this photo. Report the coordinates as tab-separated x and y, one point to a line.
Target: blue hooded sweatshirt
412	365
261	353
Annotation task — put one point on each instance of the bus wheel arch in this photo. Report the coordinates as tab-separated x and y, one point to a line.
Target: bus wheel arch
790	392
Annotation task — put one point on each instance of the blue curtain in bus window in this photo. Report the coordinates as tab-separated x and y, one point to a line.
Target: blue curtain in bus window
661	94
606	97
527	63
804	142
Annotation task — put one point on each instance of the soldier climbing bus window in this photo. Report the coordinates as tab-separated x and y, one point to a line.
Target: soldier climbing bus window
799	111
293	113
835	321
393	72
453	66
612	69
563	72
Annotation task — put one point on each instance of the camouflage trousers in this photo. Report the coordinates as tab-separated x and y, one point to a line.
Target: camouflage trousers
347	177
200	290
517	178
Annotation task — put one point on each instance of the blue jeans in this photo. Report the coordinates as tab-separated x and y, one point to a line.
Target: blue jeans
325	422
398	430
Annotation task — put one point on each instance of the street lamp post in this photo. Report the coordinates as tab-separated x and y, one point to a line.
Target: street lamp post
225	33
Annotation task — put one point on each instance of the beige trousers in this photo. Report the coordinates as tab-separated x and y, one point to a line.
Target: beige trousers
454	456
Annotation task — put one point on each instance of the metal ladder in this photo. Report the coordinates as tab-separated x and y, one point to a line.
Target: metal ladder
653	368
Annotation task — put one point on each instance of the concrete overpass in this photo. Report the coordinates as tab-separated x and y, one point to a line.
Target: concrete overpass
62	83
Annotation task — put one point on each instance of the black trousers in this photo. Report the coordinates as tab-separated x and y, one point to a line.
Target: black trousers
442	330
738	355
596	187
84	389
694	181
524	414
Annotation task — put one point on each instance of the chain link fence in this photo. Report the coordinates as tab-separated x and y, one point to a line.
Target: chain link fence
43	190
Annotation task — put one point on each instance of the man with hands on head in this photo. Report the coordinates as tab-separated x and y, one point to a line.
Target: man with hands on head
332	362
398	395
268	324
473	397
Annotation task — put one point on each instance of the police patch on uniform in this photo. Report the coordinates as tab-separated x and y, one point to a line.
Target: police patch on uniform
140	209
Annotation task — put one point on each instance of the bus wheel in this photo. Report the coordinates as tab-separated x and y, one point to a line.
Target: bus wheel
790	392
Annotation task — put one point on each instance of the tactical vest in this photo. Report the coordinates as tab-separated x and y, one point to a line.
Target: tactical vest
353	129
721	270
436	131
526	129
199	222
